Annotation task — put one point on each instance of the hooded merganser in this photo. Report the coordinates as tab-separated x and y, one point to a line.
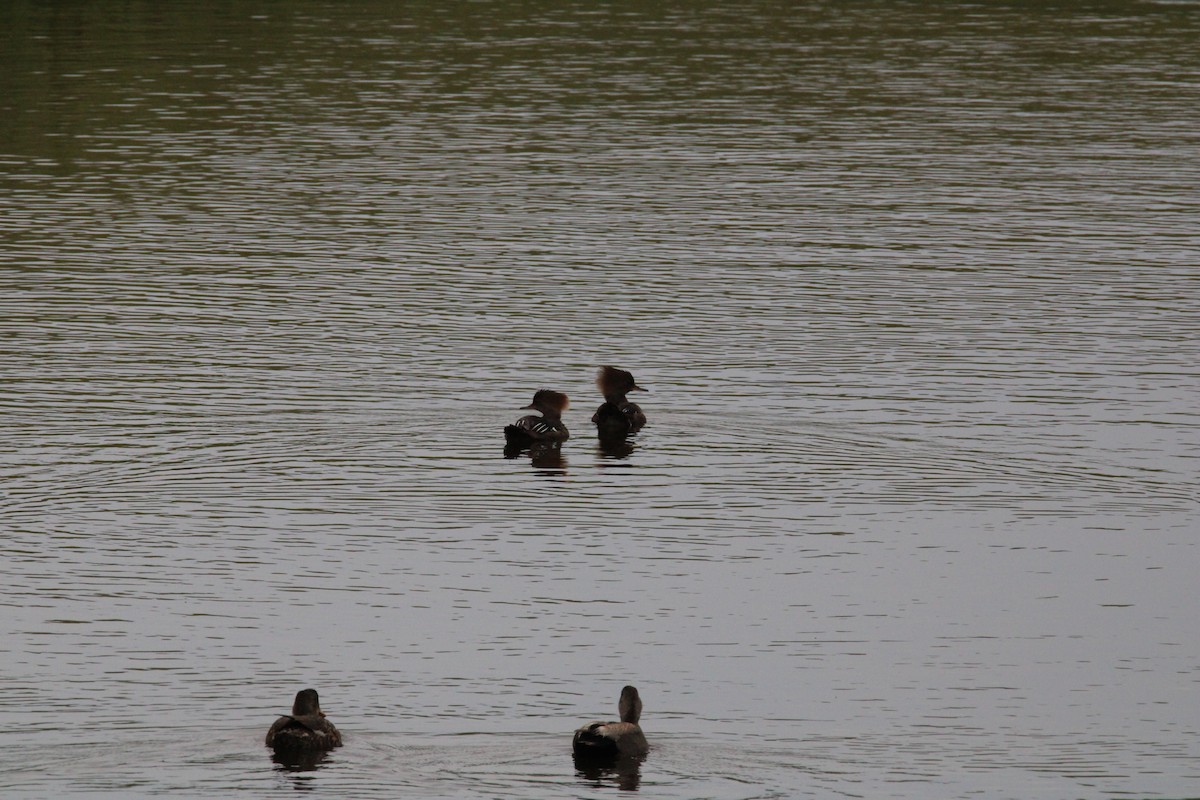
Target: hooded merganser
617	415
305	729
547	428
600	740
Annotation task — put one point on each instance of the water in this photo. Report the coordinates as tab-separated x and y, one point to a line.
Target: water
914	290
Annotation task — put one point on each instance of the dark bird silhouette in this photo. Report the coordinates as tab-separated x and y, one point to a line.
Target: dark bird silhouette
548	427
305	730
616	416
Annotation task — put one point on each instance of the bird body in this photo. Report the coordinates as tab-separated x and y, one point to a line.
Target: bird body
548	427
304	730
617	415
602	740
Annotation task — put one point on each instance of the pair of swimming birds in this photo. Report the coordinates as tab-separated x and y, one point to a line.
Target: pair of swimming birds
306	730
616	416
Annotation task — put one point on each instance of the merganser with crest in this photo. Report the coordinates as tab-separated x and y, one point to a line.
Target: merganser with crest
617	415
548	427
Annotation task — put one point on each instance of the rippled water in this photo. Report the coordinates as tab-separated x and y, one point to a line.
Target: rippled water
915	292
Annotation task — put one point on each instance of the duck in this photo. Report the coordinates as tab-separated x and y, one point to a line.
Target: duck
548	427
600	740
616	415
305	729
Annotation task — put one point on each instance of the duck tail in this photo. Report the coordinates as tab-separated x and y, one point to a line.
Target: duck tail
517	436
589	742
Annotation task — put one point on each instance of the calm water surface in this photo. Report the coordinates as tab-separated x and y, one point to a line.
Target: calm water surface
915	290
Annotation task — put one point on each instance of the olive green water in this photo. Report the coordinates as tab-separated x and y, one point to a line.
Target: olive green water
915	290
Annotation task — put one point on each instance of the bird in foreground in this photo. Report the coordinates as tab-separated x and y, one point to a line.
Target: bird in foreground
548	427
616	415
305	730
612	739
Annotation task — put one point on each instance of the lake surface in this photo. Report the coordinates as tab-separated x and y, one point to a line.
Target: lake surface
915	290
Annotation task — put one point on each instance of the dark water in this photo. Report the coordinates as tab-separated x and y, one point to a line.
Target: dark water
915	290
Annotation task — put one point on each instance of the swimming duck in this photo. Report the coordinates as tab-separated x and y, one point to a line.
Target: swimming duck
612	739
548	427
306	729
617	415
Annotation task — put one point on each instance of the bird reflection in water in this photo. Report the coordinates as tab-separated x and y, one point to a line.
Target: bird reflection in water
618	446
299	766
547	456
625	771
